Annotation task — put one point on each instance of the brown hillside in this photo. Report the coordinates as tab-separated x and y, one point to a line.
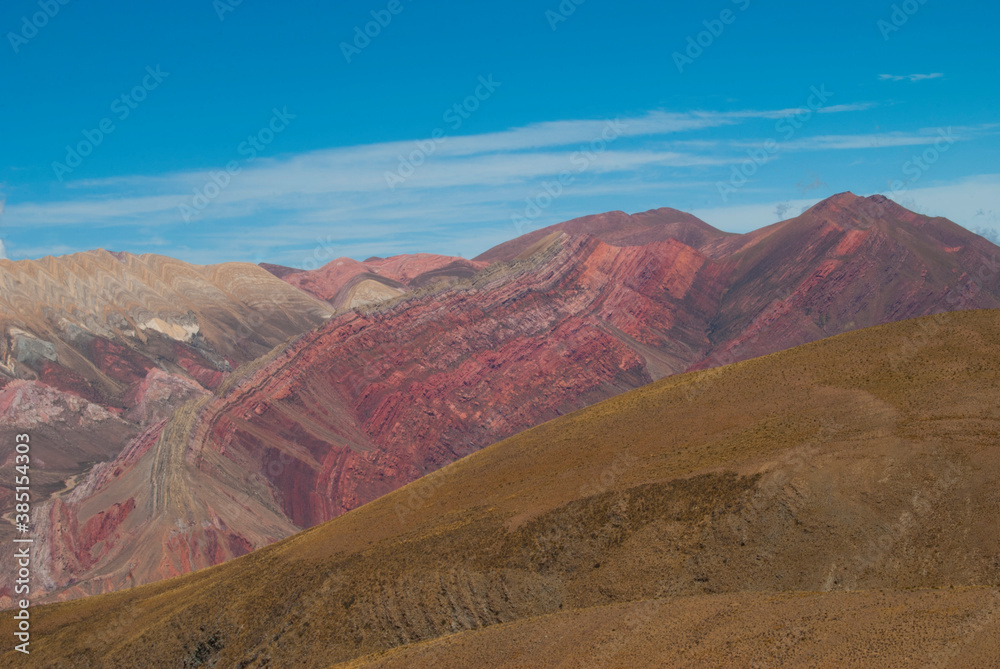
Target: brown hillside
926	628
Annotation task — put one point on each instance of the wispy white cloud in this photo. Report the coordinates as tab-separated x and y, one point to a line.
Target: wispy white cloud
41	251
355	178
458	200
892	139
853	142
973	202
744	218
910	77
518	154
838	109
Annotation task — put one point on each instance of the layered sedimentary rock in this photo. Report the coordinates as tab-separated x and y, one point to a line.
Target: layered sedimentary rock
846	263
379	396
95	347
67	434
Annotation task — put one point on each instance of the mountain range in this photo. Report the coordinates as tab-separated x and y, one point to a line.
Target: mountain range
821	506
233	406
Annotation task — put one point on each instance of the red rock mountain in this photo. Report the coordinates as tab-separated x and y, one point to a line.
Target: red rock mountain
380	395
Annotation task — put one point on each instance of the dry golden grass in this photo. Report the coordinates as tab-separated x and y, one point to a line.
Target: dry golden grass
821	469
930	628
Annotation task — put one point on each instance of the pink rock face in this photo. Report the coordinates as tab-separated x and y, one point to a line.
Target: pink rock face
323	283
118	361
32	405
420	268
395	395
198	367
377	397
67	434
335	282
158	395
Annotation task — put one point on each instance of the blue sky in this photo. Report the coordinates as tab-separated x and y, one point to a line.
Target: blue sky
259	131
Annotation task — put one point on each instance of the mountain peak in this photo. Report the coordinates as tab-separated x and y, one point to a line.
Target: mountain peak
617	228
839	202
847	198
854	211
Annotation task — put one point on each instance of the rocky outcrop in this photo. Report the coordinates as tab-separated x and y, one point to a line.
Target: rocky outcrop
375	399
67	435
157	396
